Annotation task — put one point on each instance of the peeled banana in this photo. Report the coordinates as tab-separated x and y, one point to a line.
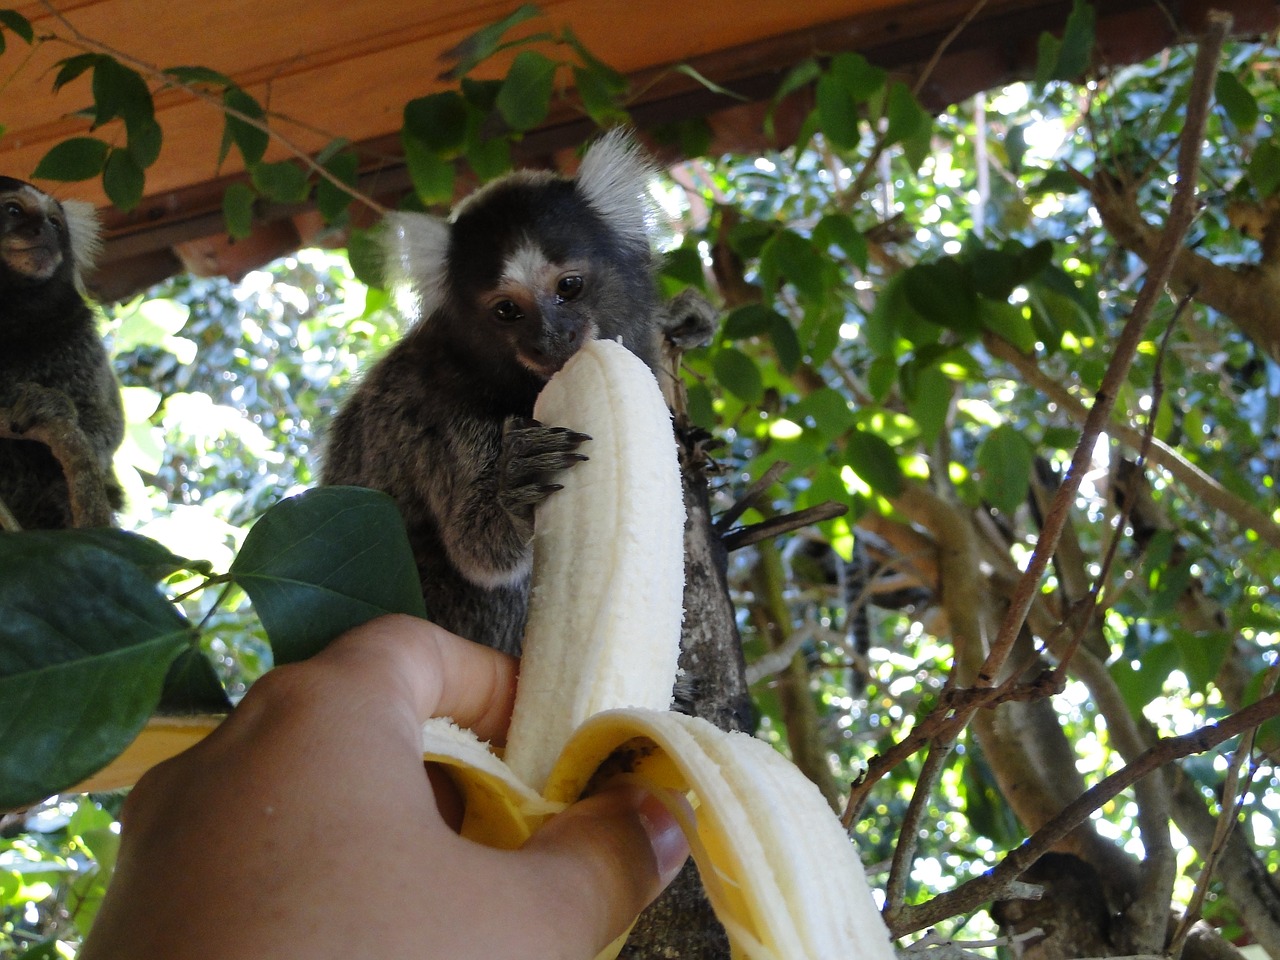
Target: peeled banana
600	660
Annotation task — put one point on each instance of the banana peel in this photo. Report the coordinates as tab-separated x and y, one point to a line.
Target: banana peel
600	659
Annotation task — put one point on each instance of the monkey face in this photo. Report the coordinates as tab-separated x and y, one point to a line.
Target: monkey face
34	241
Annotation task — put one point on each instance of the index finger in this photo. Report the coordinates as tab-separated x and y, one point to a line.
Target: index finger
438	673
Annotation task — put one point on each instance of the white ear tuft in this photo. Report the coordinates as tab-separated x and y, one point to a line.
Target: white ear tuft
85	231
614	177
416	251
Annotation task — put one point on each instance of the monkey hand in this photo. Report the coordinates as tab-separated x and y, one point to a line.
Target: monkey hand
532	454
688	320
34	406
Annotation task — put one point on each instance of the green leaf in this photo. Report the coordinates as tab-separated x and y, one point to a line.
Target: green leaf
828	410
431	174
17	23
942	292
684	265
484	43
746	321
365	255
838	229
330	200
250	140
795	258
144	140
325	561
860	79
489	158
599	96
906	117
85	643
237	210
525	97
198	76
1005	457
738	373
283	182
481	94
786	345
80	158
72	67
192	686
1202	655
872	459
1264	168
438	122
123	180
837	112
1141	684
1010	323
119	91
1237	101
1076	49
929	402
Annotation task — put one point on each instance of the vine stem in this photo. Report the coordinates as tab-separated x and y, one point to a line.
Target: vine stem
80	41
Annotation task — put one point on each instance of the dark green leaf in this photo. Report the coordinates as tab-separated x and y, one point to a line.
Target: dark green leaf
145	139
237	210
1010	323
365	255
995	273
325	561
250	140
1140	682
801	75
929	402
860	79
1005	458
942	292
1264	168
438	122
195	76
1237	101
1076	49
72	67
837	112
872	459
749	320
1055	181
1202	655
738	373
153	559
525	96
906	117
119	91
283	182
192	686
684	264
600	98
331	201
85	643
122	179
80	158
828	410
431	174
489	158
795	258
1015	147
481	94
12	20
484	42
838	229
786	345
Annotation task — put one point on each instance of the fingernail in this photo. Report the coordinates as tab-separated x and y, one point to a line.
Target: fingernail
666	837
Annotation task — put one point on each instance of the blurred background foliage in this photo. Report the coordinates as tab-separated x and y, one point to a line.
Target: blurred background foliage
915	309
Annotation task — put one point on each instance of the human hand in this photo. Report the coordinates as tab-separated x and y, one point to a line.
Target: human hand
305	826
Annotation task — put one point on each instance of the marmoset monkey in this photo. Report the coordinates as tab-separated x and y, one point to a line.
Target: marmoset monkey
54	369
526	270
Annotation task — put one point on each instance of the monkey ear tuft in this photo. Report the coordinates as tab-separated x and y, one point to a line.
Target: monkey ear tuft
415	248
614	177
85	230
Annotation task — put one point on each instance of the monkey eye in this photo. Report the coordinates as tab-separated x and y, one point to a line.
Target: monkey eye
506	311
13	209
568	287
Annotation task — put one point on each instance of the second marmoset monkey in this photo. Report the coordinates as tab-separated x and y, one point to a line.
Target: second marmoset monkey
526	270
53	366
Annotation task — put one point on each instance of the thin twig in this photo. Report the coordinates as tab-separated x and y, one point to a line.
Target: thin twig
80	41
1182	211
992	885
904	852
777	526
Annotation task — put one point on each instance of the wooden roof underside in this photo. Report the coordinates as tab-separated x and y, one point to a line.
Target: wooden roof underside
343	68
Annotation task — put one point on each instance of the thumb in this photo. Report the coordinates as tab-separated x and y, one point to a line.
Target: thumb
602	861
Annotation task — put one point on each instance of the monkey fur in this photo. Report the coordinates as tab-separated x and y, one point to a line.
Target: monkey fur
525	271
53	367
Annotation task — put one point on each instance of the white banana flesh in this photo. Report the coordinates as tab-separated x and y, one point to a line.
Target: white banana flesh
608	561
